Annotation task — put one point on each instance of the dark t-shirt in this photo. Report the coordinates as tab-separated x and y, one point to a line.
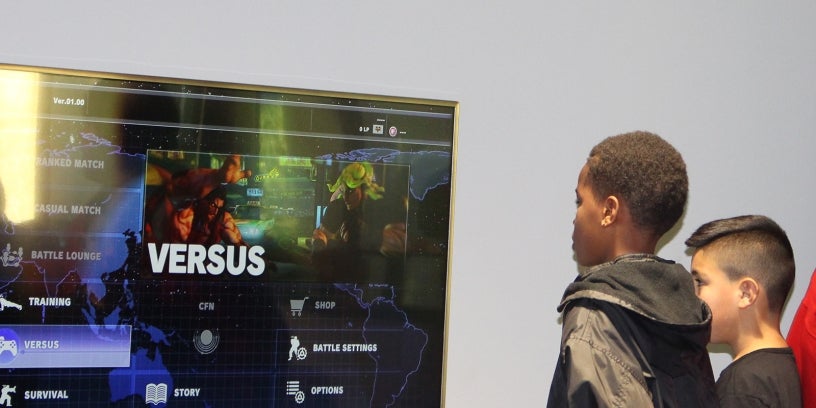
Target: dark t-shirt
761	378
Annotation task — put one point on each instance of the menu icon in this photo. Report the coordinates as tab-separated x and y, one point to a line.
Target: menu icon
6	304
5	395
156	393
206	341
293	389
296	305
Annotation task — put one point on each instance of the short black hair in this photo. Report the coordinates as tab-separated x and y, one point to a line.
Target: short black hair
754	246
647	173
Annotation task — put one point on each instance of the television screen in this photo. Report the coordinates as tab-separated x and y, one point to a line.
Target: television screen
183	243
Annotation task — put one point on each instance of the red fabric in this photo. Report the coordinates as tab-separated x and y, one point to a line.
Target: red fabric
802	339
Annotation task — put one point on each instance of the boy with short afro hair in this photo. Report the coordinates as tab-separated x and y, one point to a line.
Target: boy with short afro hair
634	332
744	270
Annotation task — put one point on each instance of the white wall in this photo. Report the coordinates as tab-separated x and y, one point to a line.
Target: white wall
730	83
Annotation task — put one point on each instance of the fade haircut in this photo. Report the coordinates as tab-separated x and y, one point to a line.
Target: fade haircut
647	173
751	246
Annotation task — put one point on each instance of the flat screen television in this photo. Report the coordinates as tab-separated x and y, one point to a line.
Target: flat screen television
183	243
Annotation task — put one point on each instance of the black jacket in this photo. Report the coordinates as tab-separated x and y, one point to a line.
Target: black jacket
634	335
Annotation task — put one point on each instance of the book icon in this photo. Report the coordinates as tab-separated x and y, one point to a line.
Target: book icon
156	393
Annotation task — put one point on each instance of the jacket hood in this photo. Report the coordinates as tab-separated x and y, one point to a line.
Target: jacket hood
655	288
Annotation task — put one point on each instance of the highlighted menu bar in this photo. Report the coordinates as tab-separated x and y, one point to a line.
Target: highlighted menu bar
64	346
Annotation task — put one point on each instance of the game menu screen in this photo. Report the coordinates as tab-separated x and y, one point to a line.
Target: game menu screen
173	243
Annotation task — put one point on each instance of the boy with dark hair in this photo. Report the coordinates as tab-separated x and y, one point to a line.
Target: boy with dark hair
634	333
743	268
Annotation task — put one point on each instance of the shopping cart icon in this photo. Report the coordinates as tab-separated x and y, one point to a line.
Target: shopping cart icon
297	305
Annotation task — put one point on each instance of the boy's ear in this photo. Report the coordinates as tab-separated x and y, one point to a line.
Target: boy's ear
749	291
610	211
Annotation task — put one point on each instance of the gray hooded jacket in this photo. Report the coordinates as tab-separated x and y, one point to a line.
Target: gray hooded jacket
634	335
